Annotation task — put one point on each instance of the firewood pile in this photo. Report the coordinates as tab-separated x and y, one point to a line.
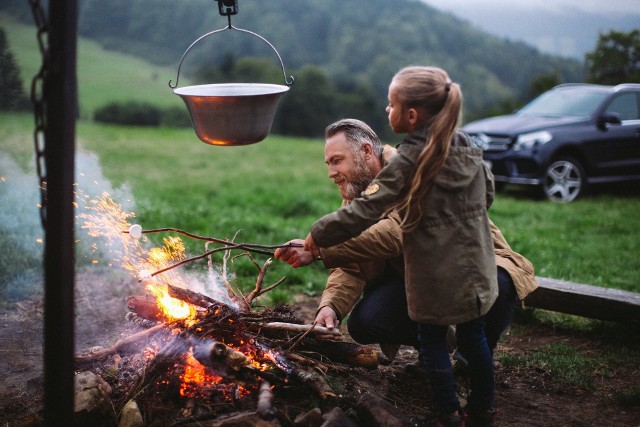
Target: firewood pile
222	366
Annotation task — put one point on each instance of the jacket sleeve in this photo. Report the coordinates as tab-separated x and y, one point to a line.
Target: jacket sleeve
380	242
363	212
343	290
519	268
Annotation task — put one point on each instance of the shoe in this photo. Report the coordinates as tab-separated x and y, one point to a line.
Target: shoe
389	350
417	367
481	419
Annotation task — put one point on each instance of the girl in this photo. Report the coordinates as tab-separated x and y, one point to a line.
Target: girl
438	183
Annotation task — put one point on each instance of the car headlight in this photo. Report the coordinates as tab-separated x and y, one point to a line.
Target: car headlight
530	140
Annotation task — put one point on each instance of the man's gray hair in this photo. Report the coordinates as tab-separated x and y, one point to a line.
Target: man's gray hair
356	132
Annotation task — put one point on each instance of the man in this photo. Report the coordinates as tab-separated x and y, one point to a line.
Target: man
371	266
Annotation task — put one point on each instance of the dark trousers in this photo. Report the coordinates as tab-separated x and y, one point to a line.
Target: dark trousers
435	357
381	314
501	313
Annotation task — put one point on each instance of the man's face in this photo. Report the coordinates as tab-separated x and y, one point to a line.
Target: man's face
348	170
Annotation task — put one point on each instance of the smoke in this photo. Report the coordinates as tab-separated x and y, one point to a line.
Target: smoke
22	235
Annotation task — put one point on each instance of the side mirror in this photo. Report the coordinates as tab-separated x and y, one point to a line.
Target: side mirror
609	118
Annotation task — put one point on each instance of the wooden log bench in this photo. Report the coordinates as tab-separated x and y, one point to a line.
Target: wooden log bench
585	300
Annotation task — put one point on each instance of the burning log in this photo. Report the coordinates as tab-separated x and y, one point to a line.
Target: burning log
225	361
191	297
145	307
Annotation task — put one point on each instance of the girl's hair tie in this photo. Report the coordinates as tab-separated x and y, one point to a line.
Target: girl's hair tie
447	86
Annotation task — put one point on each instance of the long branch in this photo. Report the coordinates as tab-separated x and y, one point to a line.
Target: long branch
247	246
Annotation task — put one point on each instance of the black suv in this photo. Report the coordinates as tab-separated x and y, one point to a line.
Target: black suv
568	137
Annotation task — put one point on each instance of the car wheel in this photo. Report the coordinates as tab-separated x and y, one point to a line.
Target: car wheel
563	180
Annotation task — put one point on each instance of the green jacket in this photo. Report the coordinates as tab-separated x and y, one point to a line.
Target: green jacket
450	268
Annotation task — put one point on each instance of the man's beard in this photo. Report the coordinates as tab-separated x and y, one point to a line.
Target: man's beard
361	176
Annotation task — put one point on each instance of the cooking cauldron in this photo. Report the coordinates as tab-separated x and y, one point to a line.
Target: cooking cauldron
232	113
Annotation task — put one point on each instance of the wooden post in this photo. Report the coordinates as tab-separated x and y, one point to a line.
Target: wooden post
60	94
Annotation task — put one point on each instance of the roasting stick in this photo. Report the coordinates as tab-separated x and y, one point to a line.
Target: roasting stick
136	232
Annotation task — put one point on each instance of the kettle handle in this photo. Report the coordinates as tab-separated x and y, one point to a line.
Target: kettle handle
288	81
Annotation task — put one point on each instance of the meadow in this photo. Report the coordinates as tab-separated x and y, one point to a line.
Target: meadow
273	191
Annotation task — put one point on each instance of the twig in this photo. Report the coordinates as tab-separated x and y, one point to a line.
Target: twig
302	336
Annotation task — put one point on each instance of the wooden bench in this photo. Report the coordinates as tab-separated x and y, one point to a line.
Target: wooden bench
585	300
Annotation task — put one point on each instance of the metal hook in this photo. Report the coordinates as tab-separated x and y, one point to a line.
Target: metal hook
288	81
228	8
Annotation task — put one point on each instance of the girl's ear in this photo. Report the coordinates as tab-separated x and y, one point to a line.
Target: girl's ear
412	116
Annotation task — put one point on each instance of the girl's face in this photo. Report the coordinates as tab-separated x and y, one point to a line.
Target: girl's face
398	117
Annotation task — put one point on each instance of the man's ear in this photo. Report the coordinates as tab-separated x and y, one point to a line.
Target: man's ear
368	150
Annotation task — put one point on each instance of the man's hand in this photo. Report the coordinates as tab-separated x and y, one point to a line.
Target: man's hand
327	317
295	256
310	245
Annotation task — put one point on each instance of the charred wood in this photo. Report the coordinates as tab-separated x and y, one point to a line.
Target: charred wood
265	409
120	346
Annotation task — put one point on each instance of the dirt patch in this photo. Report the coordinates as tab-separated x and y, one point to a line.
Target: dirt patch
525	395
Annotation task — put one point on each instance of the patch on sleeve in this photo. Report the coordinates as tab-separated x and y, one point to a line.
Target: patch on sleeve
371	189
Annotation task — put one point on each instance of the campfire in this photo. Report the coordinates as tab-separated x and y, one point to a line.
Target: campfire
202	351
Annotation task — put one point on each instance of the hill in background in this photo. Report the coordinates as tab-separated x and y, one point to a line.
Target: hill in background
355	42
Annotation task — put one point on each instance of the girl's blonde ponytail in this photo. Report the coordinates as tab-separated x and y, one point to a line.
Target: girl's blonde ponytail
429	90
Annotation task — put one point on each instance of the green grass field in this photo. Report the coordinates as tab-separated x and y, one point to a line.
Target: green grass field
270	192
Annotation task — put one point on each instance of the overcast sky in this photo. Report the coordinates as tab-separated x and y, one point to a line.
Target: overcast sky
568	28
629	6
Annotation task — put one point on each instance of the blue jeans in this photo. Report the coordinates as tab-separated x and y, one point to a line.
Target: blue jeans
472	342
381	315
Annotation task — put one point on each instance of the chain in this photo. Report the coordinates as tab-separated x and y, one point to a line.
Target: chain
39	103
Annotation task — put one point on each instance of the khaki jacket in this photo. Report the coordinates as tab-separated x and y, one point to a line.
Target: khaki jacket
359	262
450	267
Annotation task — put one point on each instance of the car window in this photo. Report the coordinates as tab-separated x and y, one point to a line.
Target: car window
577	102
625	104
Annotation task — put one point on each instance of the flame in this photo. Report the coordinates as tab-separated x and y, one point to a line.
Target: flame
196	379
105	219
